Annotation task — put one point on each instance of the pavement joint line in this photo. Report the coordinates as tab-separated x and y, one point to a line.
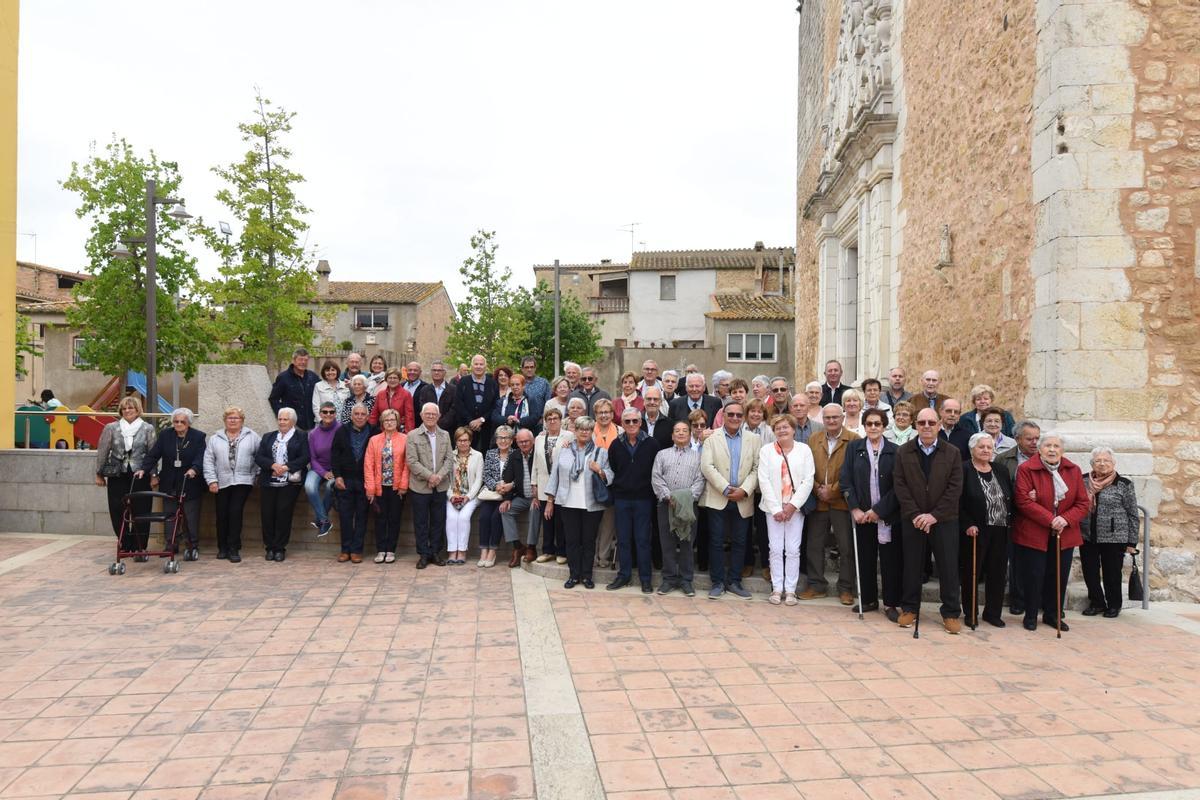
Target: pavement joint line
557	731
58	543
1168	794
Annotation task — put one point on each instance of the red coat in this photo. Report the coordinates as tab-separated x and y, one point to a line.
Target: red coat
400	401
1032	526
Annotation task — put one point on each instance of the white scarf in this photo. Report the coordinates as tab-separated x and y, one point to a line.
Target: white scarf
129	430
1060	486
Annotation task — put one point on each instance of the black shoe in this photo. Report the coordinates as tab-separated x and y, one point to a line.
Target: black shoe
1111	613
687	589
892	614
235	557
647	588
270	555
570	584
1017	611
441	562
422	562
618	583
1030	624
191	554
141	559
222	555
1063	626
995	622
280	556
867	607
1092	611
588	583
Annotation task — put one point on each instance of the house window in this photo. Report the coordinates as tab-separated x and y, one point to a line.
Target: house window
77	359
373	319
666	287
750	347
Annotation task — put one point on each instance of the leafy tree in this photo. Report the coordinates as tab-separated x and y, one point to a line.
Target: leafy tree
491	320
267	276
26	346
110	309
579	335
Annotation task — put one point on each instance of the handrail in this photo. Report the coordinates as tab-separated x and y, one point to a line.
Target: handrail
1145	557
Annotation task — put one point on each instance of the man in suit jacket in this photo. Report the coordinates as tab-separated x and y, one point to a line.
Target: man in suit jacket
430	460
953	429
475	397
655	423
695	399
928	483
930	397
440	393
832	514
729	463
516	486
833	388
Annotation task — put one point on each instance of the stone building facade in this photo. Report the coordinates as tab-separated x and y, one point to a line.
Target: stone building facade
1009	196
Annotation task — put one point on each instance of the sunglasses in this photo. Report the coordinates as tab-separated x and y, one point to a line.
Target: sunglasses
631	422
328	413
734	415
873	424
587	380
780	389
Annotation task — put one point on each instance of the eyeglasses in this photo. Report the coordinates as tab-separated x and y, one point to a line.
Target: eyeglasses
874	423
733	415
631	422
926	423
780	389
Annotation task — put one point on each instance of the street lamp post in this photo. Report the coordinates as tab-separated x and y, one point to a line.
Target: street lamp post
557	308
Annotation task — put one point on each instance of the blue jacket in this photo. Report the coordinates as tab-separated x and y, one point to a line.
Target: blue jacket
190	451
855	480
292	391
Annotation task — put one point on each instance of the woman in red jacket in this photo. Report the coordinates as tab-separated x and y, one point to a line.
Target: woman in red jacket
395	397
1051	501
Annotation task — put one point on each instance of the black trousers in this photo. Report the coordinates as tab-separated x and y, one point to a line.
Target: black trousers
191	522
117	488
278	505
942	540
1037	567
231	503
387	522
429	522
1102	565
352	508
580	528
867	537
891	570
991	564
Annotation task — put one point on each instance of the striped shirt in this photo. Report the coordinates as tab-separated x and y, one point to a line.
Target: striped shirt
676	468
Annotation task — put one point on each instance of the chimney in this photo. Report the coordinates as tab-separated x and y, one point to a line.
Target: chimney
758	246
322	277
605	262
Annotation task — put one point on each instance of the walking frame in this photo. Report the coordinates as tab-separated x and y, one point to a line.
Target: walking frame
174	522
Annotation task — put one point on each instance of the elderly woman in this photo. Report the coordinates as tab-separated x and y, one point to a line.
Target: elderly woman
229	471
984	397
545	451
813	390
1110	530
785	477
629	397
319	482
330	389
502	374
677	483
758	538
397	398
560	390
571	492
359	396
760	387
177	463
462	496
901	429
491	524
376	374
606	431
122	448
670	383
349	456
852	404
282	459
756	420
866	481
576	408
385	473
992	420
984	513
1052	501
604	434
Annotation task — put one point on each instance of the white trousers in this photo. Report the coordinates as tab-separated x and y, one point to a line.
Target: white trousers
458	524
783	540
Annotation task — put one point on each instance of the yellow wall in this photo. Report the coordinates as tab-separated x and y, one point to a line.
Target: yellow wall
9	18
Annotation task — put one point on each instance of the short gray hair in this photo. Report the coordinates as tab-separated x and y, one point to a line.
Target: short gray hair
358	377
721	375
287	412
672	373
434	406
812	385
572	401
585	423
1101	450
568	364
1025	425
763	379
186	413
504	430
1047	436
977	438
357	406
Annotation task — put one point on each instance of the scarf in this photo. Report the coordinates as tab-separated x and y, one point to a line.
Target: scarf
233	448
580	457
1060	486
129	430
883	531
461	460
1095	484
279	454
785	475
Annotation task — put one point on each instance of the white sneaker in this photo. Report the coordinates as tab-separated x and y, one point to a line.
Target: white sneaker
543	558
790	599
775	599
560	559
379	557
390	558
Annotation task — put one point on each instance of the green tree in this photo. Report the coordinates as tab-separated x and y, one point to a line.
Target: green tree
491	320
267	277
110	309
579	335
26	346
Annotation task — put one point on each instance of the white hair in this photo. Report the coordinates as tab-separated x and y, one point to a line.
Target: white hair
721	375
287	412
672	373
811	385
568	364
977	438
1101	450
359	377
763	379
1047	436
575	400
186	413
434	406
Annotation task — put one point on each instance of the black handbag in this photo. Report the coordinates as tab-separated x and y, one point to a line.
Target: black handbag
600	491
1135	581
113	465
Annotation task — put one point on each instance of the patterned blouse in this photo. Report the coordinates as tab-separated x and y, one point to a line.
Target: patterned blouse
350	402
493	468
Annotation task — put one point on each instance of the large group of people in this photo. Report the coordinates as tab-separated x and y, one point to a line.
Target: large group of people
677	472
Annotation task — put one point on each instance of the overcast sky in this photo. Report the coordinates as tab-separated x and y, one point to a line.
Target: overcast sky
552	122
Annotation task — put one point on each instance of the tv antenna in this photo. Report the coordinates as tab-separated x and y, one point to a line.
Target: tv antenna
631	229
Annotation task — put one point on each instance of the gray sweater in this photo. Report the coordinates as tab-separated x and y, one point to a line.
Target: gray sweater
1115	518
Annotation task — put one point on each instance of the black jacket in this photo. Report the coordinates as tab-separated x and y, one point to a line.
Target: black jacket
829	395
960	437
631	471
514	474
428	394
680	407
662	429
972	508
292	391
467	409
297	455
855	480
190	452
345	465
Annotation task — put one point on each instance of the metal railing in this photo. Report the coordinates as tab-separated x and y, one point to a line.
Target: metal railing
65	429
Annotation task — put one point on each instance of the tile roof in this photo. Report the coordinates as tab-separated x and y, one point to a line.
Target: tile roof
737	258
610	267
751	306
47	307
378	292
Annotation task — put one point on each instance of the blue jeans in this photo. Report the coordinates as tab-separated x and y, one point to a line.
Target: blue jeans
633	523
721	523
491	529
313	486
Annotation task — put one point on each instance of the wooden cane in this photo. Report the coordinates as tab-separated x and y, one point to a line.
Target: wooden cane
974	585
1058	585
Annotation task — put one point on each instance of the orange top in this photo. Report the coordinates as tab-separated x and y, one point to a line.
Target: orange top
373	464
604	438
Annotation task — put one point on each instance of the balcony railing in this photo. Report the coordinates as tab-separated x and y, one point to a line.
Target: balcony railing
608	305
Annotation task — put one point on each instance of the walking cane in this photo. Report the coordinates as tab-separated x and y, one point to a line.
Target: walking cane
1058	585
974	584
917	626
857	581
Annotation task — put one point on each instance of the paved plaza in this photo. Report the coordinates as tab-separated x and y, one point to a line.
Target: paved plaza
312	679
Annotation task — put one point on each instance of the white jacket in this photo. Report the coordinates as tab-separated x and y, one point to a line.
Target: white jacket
216	460
770	477
474	474
324	393
541	475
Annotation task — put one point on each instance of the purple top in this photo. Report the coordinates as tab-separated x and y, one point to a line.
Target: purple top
320	449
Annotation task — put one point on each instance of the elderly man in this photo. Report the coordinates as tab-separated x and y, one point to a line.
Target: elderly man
677	483
649	377
833	388
953	430
631	457
729	462
573	372
354	363
777	397
440	393
832	515
412	375
695	400
293	389
475	397
516	410
430	460
1027	433
896	392
349	450
799	408
655	423
589	391
517	489
928	481
537	388
929	396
